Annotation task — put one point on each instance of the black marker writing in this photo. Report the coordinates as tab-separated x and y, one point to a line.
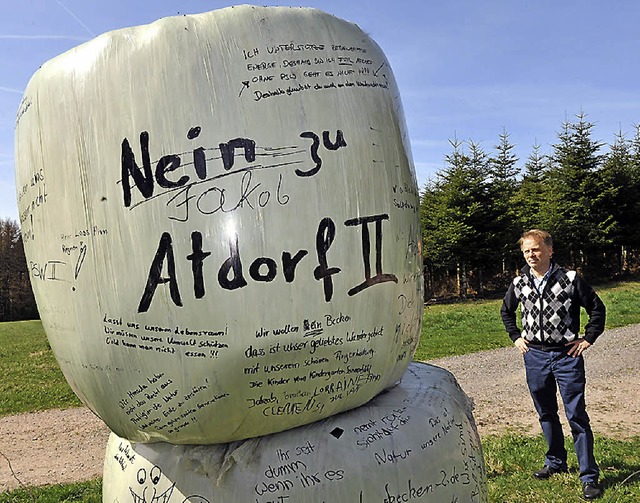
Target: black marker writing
231	273
145	178
324	238
232	265
329	145
165	251
197	257
366	252
228	151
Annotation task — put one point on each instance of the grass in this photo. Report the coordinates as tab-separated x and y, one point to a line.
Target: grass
88	492
31	380
467	327
511	459
460	328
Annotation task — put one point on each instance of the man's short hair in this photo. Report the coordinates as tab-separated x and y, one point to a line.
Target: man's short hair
538	234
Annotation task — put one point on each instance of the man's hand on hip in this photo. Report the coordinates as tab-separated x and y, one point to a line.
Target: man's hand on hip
522	345
578	346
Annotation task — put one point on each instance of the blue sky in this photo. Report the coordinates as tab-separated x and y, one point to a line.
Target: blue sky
466	69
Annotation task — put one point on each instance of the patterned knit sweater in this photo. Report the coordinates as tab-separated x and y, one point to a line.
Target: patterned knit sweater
552	318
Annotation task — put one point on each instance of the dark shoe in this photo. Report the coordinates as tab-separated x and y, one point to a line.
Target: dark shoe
546	472
591	490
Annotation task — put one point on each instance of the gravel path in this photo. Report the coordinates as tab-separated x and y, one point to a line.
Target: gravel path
495	380
68	445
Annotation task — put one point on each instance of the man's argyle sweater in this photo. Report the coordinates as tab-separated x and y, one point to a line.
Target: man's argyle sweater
552	318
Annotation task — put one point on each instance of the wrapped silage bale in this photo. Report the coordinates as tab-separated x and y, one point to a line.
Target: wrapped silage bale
415	442
220	214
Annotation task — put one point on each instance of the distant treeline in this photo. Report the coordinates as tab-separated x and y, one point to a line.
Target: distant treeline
475	210
16	297
473	213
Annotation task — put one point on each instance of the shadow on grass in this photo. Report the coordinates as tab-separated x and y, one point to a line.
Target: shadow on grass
620	474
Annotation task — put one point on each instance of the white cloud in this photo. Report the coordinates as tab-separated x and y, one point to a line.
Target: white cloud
43	37
10	90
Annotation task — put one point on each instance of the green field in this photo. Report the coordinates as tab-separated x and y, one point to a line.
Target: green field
32	380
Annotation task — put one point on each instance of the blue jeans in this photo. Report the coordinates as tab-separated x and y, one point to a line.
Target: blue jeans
546	372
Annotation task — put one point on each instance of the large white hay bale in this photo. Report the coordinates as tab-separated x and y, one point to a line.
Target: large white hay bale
416	442
220	215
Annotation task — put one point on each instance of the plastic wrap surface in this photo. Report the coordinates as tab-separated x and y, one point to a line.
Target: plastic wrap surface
415	442
220	216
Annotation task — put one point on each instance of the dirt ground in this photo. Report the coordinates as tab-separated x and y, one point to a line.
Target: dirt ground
68	445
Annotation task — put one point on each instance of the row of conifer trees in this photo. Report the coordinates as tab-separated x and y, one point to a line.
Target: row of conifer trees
585	193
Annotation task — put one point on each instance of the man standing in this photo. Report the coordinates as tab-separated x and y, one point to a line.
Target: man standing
550	298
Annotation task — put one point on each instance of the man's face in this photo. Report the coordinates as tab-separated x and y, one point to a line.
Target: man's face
537	254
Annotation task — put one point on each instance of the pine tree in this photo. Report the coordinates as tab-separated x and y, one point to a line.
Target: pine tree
571	190
455	214
629	219
504	184
612	202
